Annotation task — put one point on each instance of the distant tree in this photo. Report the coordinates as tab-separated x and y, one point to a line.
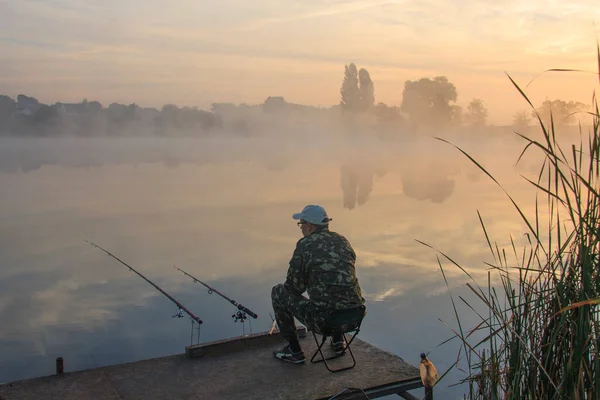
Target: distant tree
7	103
26	106
476	114
26	99
388	115
88	121
563	113
382	111
456	115
132	111
167	120
209	121
521	120
171	113
367	90
45	120
223	108
351	95
44	115
389	120
119	118
427	101
115	110
187	119
7	109
94	106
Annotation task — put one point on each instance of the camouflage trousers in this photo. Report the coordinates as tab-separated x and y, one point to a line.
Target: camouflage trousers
288	306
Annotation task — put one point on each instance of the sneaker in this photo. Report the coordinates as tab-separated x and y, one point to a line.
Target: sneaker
287	355
338	346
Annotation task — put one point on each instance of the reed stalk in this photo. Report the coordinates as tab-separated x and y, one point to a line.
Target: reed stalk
541	325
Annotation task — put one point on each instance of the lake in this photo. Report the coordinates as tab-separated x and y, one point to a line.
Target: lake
221	208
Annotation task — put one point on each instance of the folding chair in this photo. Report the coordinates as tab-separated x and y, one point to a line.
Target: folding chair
339	322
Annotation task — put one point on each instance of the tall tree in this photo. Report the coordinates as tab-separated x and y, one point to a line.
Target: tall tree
476	113
351	96
521	120
367	90
427	101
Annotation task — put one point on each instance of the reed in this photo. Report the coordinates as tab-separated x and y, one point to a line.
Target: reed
541	334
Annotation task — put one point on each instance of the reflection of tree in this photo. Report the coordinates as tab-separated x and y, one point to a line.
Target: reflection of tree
428	177
432	181
357	184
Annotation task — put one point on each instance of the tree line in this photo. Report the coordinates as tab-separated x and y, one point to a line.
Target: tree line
428	105
26	116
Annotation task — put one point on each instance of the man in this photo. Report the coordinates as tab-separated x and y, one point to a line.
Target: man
323	266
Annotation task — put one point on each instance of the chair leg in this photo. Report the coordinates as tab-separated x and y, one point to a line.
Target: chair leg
324	359
349	348
319	351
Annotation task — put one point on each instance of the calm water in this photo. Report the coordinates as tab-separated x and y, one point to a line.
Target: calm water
221	209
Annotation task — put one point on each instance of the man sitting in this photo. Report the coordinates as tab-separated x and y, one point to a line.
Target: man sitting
323	266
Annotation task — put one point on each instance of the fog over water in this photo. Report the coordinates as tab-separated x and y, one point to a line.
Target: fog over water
221	209
188	135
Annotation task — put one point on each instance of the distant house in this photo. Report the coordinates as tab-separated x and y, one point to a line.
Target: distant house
278	104
274	103
70	109
73	109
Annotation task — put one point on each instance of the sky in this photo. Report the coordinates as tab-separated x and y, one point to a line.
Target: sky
194	53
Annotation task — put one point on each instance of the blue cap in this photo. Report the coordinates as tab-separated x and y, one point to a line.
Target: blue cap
314	214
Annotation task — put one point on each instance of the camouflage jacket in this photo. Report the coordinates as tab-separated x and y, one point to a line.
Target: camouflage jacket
323	266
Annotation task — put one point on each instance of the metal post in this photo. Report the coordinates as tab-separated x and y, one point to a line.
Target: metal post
60	368
428	393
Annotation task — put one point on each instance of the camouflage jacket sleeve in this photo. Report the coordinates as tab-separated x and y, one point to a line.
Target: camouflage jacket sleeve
296	275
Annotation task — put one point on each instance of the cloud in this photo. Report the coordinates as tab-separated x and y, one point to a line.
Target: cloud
328	9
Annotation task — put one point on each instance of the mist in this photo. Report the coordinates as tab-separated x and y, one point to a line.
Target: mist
220	207
163	172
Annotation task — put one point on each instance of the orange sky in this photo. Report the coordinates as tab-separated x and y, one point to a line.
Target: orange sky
194	53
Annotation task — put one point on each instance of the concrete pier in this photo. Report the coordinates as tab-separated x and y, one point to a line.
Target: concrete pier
232	369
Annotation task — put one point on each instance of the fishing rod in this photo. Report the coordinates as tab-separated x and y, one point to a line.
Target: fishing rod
181	306
240	315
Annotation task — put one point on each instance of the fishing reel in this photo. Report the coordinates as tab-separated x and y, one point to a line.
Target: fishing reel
239	316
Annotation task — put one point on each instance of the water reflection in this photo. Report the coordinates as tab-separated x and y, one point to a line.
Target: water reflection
424	173
357	184
422	170
224	215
